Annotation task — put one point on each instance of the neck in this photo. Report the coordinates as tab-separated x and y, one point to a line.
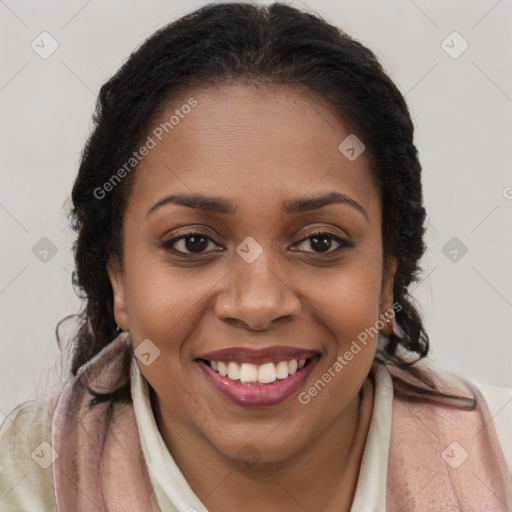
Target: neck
321	477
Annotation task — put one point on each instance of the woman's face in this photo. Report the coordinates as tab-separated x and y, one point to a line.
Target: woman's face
275	272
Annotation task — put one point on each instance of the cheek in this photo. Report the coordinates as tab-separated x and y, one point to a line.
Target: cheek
347	305
347	300
166	303
160	300
163	307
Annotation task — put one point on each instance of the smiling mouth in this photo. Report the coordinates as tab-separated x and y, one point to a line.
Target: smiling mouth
264	377
257	374
258	378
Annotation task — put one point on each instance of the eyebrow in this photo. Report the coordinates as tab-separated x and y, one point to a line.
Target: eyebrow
210	204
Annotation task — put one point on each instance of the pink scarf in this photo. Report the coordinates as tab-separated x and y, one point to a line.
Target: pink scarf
440	458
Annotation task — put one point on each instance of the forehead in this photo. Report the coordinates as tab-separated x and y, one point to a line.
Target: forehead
249	143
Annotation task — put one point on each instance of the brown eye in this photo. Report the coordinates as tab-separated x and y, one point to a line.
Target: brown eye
322	242
190	243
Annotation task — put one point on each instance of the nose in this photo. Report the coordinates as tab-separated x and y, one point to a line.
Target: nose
255	296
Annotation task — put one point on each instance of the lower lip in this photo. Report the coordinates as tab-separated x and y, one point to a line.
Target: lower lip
264	395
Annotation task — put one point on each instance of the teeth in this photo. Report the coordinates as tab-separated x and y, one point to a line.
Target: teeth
248	373
282	370
267	373
223	368
233	371
262	374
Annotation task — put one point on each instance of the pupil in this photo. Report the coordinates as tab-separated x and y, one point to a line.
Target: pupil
195	243
322	246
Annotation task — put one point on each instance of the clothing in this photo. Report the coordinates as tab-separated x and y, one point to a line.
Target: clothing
25	485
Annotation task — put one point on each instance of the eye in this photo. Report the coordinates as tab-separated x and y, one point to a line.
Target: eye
192	242
321	242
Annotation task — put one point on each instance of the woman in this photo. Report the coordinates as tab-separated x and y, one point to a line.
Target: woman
249	214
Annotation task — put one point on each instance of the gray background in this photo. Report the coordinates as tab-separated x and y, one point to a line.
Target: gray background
461	107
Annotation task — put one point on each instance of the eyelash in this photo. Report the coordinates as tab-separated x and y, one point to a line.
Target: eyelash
167	245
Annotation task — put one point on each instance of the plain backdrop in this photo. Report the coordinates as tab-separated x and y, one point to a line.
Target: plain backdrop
460	101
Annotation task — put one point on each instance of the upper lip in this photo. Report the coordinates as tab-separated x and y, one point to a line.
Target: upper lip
275	353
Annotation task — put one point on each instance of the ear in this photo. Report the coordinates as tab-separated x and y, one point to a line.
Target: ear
116	275
386	310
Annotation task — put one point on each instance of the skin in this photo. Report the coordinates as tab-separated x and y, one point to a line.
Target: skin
257	147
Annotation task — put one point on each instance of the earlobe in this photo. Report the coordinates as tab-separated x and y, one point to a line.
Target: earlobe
115	273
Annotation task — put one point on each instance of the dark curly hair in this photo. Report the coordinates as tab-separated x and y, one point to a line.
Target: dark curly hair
275	45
